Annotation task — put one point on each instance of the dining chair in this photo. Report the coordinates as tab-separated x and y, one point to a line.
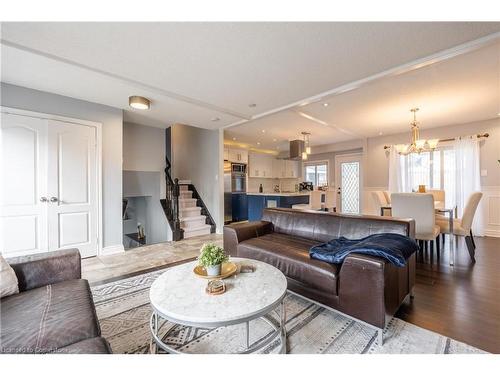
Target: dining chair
439	196
314	202
380	201
330	200
463	226
419	207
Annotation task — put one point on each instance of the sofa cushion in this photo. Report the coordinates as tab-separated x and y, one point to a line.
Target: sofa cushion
8	279
96	345
291	256
45	319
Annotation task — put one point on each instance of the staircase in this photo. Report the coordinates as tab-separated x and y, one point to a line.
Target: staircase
193	222
186	213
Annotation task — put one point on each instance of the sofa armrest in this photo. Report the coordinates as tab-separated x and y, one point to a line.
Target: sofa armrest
38	270
369	288
236	233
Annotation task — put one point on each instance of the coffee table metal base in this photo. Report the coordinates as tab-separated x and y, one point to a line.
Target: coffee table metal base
278	330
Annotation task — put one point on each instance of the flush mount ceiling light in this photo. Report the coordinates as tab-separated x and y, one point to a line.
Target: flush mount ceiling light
139	102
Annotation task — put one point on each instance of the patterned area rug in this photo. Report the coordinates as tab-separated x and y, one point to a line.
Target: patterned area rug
123	310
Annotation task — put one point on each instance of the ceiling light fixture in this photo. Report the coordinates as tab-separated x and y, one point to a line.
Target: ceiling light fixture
326	104
258	143
215	119
417	145
263	131
306	135
139	102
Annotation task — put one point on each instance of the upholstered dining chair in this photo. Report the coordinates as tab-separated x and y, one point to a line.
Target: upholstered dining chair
463	226
419	207
314	202
380	201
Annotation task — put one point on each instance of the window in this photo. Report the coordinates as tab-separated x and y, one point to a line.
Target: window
434	169
317	173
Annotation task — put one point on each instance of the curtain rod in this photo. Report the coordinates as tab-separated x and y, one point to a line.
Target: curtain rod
485	135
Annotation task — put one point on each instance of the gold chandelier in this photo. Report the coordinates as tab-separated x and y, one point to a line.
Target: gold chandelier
417	145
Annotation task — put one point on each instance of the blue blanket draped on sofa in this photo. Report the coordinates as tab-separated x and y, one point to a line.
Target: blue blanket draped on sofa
396	248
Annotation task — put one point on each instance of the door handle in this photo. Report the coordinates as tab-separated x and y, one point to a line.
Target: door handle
54	199
43	199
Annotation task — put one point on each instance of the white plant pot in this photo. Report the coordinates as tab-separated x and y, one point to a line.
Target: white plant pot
213	270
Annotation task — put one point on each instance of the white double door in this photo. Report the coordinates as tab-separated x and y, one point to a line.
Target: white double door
49	197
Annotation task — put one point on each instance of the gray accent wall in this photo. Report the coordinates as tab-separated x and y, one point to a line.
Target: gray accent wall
197	155
144	150
111	119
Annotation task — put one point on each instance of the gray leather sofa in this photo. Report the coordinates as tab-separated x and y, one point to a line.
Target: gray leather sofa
54	311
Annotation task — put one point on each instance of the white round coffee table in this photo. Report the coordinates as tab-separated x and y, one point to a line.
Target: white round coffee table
179	297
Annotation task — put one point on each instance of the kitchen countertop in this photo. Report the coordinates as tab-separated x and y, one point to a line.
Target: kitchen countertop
281	194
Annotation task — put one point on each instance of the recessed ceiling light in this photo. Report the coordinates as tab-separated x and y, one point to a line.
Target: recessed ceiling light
139	102
258	143
274	140
215	119
380	133
234	138
326	104
252	105
263	131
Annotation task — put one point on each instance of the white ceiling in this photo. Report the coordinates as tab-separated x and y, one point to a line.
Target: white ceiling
459	90
194	72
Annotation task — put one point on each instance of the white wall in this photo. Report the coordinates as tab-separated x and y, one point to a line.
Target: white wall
144	150
197	155
111	119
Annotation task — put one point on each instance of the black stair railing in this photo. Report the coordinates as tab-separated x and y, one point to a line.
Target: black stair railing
171	203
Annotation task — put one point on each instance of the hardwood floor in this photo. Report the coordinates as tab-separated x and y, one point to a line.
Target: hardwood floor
462	302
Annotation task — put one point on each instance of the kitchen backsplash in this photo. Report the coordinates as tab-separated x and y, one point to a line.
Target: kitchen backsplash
286	184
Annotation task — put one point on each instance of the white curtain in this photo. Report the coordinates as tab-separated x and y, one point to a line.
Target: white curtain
467	177
395	172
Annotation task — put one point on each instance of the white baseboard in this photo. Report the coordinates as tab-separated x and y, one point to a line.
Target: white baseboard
492	233
114	249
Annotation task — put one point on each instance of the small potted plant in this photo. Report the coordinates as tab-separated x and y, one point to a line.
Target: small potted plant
211	257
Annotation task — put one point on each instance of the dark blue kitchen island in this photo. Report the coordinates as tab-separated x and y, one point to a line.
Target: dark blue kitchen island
258	201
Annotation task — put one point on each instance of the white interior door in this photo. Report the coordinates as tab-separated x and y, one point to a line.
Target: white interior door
348	183
23	187
72	187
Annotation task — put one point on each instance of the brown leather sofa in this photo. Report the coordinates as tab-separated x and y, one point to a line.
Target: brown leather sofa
54	311
366	288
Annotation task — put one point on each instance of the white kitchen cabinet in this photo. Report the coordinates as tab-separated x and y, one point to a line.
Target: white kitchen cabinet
237	156
226	154
279	168
260	165
292	169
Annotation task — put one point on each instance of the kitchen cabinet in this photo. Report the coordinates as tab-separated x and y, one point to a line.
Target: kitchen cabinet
257	203
226	154
239	207
260	165
292	169
279	168
237	156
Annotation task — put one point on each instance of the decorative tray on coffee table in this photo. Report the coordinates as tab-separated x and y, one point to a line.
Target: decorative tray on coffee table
227	269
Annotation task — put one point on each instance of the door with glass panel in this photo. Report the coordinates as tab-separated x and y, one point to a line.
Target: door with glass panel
348	183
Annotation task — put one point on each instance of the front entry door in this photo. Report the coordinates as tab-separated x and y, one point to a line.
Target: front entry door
72	187
348	183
